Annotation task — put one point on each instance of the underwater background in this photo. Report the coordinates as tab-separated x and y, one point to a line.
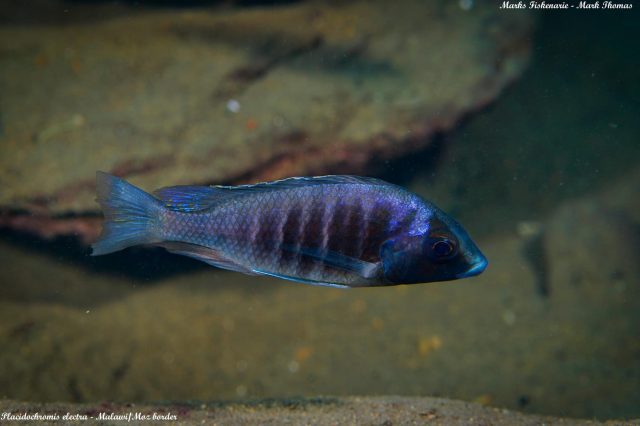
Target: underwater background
521	124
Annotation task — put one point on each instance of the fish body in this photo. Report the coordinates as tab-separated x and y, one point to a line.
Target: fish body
342	231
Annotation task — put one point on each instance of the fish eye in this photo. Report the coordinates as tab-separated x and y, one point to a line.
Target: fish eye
442	247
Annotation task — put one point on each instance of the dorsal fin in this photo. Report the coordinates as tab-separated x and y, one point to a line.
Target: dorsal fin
296	182
193	198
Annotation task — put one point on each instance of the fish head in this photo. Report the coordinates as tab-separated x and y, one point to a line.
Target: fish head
443	251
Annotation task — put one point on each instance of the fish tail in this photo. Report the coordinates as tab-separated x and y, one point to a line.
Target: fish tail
131	215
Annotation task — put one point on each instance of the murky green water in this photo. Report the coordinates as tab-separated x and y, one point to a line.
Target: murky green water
546	178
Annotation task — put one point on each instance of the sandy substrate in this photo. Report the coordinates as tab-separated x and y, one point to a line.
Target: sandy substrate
386	411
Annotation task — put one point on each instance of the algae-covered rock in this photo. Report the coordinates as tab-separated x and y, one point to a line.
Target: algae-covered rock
225	96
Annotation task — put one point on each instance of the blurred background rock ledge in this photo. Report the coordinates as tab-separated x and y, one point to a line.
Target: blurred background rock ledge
231	94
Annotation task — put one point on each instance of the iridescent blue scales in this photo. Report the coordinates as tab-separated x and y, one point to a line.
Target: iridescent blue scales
341	231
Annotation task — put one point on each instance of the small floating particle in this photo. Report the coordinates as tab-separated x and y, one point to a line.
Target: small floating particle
293	366
484	399
377	324
241	390
509	317
76	66
428	344
78	120
233	106
251	124
41	60
465	4
303	353
529	228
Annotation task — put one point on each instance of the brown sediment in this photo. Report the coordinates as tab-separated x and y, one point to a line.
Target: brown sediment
382	410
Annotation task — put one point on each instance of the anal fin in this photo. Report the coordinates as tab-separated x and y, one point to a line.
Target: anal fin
205	254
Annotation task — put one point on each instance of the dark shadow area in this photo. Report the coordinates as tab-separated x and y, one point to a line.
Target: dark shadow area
59	12
181	4
62	272
38	12
403	170
142	264
567	128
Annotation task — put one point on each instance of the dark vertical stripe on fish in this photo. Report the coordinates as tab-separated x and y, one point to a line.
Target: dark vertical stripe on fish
362	228
291	230
312	235
376	230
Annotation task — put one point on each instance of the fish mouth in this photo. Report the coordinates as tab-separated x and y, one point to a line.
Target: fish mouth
479	263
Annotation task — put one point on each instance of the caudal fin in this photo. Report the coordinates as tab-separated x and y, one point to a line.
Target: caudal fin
130	215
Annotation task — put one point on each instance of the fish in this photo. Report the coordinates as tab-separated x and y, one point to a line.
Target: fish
339	230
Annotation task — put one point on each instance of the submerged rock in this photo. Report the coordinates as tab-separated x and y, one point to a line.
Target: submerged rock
208	96
592	245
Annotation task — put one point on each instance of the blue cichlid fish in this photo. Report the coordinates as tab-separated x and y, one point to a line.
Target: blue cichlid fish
339	231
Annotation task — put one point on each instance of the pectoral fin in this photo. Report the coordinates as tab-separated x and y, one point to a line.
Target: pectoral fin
359	267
